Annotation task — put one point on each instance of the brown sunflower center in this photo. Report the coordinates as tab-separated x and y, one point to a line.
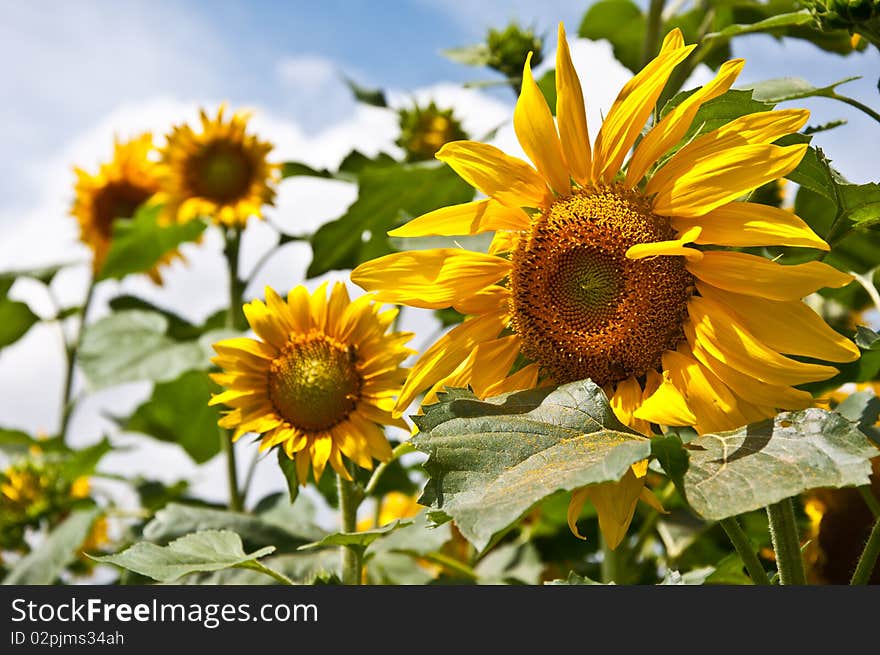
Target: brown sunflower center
582	309
314	383
221	172
118	200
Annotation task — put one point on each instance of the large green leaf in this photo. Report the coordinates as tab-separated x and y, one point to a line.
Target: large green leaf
46	562
622	23
781	89
490	461
179	328
140	242
16	318
735	472
388	195
770	24
208	550
178	412
133	345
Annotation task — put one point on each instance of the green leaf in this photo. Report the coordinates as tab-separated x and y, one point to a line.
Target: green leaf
622	23
16	318
360	539
738	471
288	468
374	97
814	171
781	89
208	550
139	243
178	329
286	527
178	412
44	564
388	196
416	537
574	579
469	55
672	456
78	463
490	461
866	338
133	345
511	564
861	204
547	84
863	408
298	169
801	17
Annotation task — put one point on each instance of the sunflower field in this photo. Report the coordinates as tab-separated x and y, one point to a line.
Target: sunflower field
603	311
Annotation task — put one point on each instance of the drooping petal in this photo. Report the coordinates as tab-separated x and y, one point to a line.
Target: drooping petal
571	114
468	218
674	125
484	367
741	224
534	127
666	406
431	279
756	276
509	180
615	503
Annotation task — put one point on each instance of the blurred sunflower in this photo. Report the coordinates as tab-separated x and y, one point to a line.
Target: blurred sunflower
319	381
115	191
592	272
220	172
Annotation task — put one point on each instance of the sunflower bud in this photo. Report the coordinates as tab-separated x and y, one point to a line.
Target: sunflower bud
856	16
424	130
509	48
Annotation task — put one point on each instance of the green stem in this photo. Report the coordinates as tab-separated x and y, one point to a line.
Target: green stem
234	321
401	449
869	558
272	573
71	350
867	283
352	556
610	563
870	500
852	102
746	550
652	29
786	543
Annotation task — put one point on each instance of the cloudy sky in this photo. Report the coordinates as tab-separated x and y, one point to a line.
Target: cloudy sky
77	74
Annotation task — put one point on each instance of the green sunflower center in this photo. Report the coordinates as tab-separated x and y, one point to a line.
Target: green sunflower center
222	172
582	309
314	383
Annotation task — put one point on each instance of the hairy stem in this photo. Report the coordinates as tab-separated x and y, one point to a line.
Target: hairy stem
869	558
352	555
746	550
786	543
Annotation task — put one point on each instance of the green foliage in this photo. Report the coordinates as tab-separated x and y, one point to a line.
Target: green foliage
178	412
622	23
373	97
16	318
490	461
360	539
139	243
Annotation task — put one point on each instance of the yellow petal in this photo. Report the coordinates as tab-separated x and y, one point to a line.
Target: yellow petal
533	124
626	399
666	406
674	247
756	276
674	39
694	188
491	299
446	354
675	124
485	366
525	378
468	218
790	327
575	505
320	449
265	324
630	111
751	224
615	503
718	332
509	180
431	279
571	114
232	347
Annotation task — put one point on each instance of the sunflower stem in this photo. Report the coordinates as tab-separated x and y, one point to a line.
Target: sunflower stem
71	350
611	563
652	30
868	559
234	321
870	499
786	543
352	556
746	550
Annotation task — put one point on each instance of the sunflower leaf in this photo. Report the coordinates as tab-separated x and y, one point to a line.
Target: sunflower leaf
772	23
208	550
490	461
360	539
139	243
621	23
742	470
781	89
16	318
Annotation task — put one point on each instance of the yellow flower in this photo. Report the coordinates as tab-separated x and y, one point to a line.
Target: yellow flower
592	272
395	505
220	172
115	191
319	380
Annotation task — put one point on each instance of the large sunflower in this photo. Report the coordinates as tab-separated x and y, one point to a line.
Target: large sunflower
115	191
592	272
220	172
319	381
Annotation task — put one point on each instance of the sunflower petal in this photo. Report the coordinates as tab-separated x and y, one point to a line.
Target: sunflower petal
674	247
571	114
615	503
575	505
468	218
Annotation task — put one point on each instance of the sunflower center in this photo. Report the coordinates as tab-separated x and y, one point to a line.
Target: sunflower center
118	200
223	172
582	309
314	383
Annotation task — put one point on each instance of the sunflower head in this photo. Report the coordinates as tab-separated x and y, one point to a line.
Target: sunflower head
424	130
218	171
115	191
319	380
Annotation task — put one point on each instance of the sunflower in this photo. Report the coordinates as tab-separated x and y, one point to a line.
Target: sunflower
220	172
115	191
318	382
595	272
